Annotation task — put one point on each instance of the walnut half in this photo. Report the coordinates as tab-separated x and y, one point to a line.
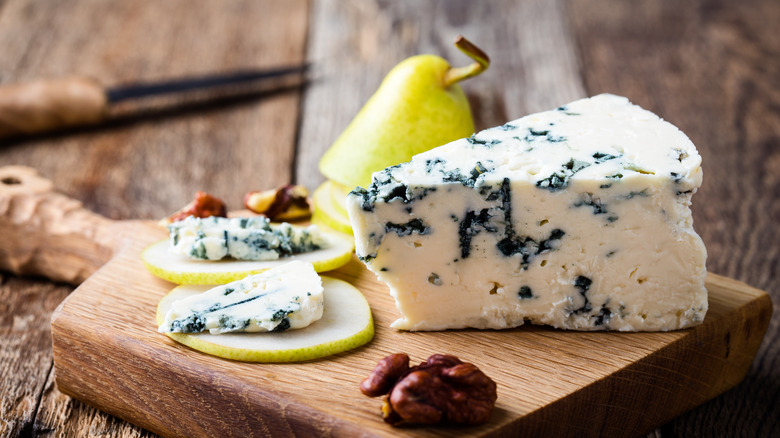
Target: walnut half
441	389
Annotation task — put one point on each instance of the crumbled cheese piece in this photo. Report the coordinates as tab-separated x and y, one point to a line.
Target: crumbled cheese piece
253	238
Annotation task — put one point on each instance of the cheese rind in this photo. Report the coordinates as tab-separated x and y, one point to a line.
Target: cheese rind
578	218
282	298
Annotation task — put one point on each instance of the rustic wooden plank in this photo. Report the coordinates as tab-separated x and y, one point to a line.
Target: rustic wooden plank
62	416
25	356
354	44
712	68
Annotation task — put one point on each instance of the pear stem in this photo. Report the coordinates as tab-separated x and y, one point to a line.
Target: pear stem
457	74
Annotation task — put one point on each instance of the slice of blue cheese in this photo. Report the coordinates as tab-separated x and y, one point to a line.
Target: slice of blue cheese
578	218
246	238
286	297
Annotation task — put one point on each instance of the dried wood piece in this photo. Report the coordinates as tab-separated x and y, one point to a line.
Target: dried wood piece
47	233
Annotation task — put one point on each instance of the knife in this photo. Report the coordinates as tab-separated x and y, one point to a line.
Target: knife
47	105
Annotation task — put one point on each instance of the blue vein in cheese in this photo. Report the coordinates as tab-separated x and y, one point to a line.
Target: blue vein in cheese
287	297
254	238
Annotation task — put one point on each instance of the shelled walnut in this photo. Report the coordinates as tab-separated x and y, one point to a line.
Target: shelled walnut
441	389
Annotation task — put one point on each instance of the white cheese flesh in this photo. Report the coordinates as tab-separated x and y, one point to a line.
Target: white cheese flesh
578	218
287	297
254	238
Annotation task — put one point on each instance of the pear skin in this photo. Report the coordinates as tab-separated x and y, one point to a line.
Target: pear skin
329	209
411	112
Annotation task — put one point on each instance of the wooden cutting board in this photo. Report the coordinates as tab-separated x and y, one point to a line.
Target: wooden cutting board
108	353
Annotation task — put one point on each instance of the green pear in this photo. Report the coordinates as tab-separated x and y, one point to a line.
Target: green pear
418	107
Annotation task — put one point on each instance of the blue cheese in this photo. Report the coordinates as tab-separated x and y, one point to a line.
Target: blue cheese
253	238
578	218
287	297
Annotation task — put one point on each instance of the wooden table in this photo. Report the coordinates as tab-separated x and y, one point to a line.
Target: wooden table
710	67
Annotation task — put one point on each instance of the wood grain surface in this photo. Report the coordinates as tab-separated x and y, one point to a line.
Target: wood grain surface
710	67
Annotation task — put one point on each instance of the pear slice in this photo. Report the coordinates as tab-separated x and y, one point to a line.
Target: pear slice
327	211
183	270
338	194
346	323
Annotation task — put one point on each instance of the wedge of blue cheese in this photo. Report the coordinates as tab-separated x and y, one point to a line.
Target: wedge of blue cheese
283	298
246	238
578	218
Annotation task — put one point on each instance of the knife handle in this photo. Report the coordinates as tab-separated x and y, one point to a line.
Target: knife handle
46	233
46	105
